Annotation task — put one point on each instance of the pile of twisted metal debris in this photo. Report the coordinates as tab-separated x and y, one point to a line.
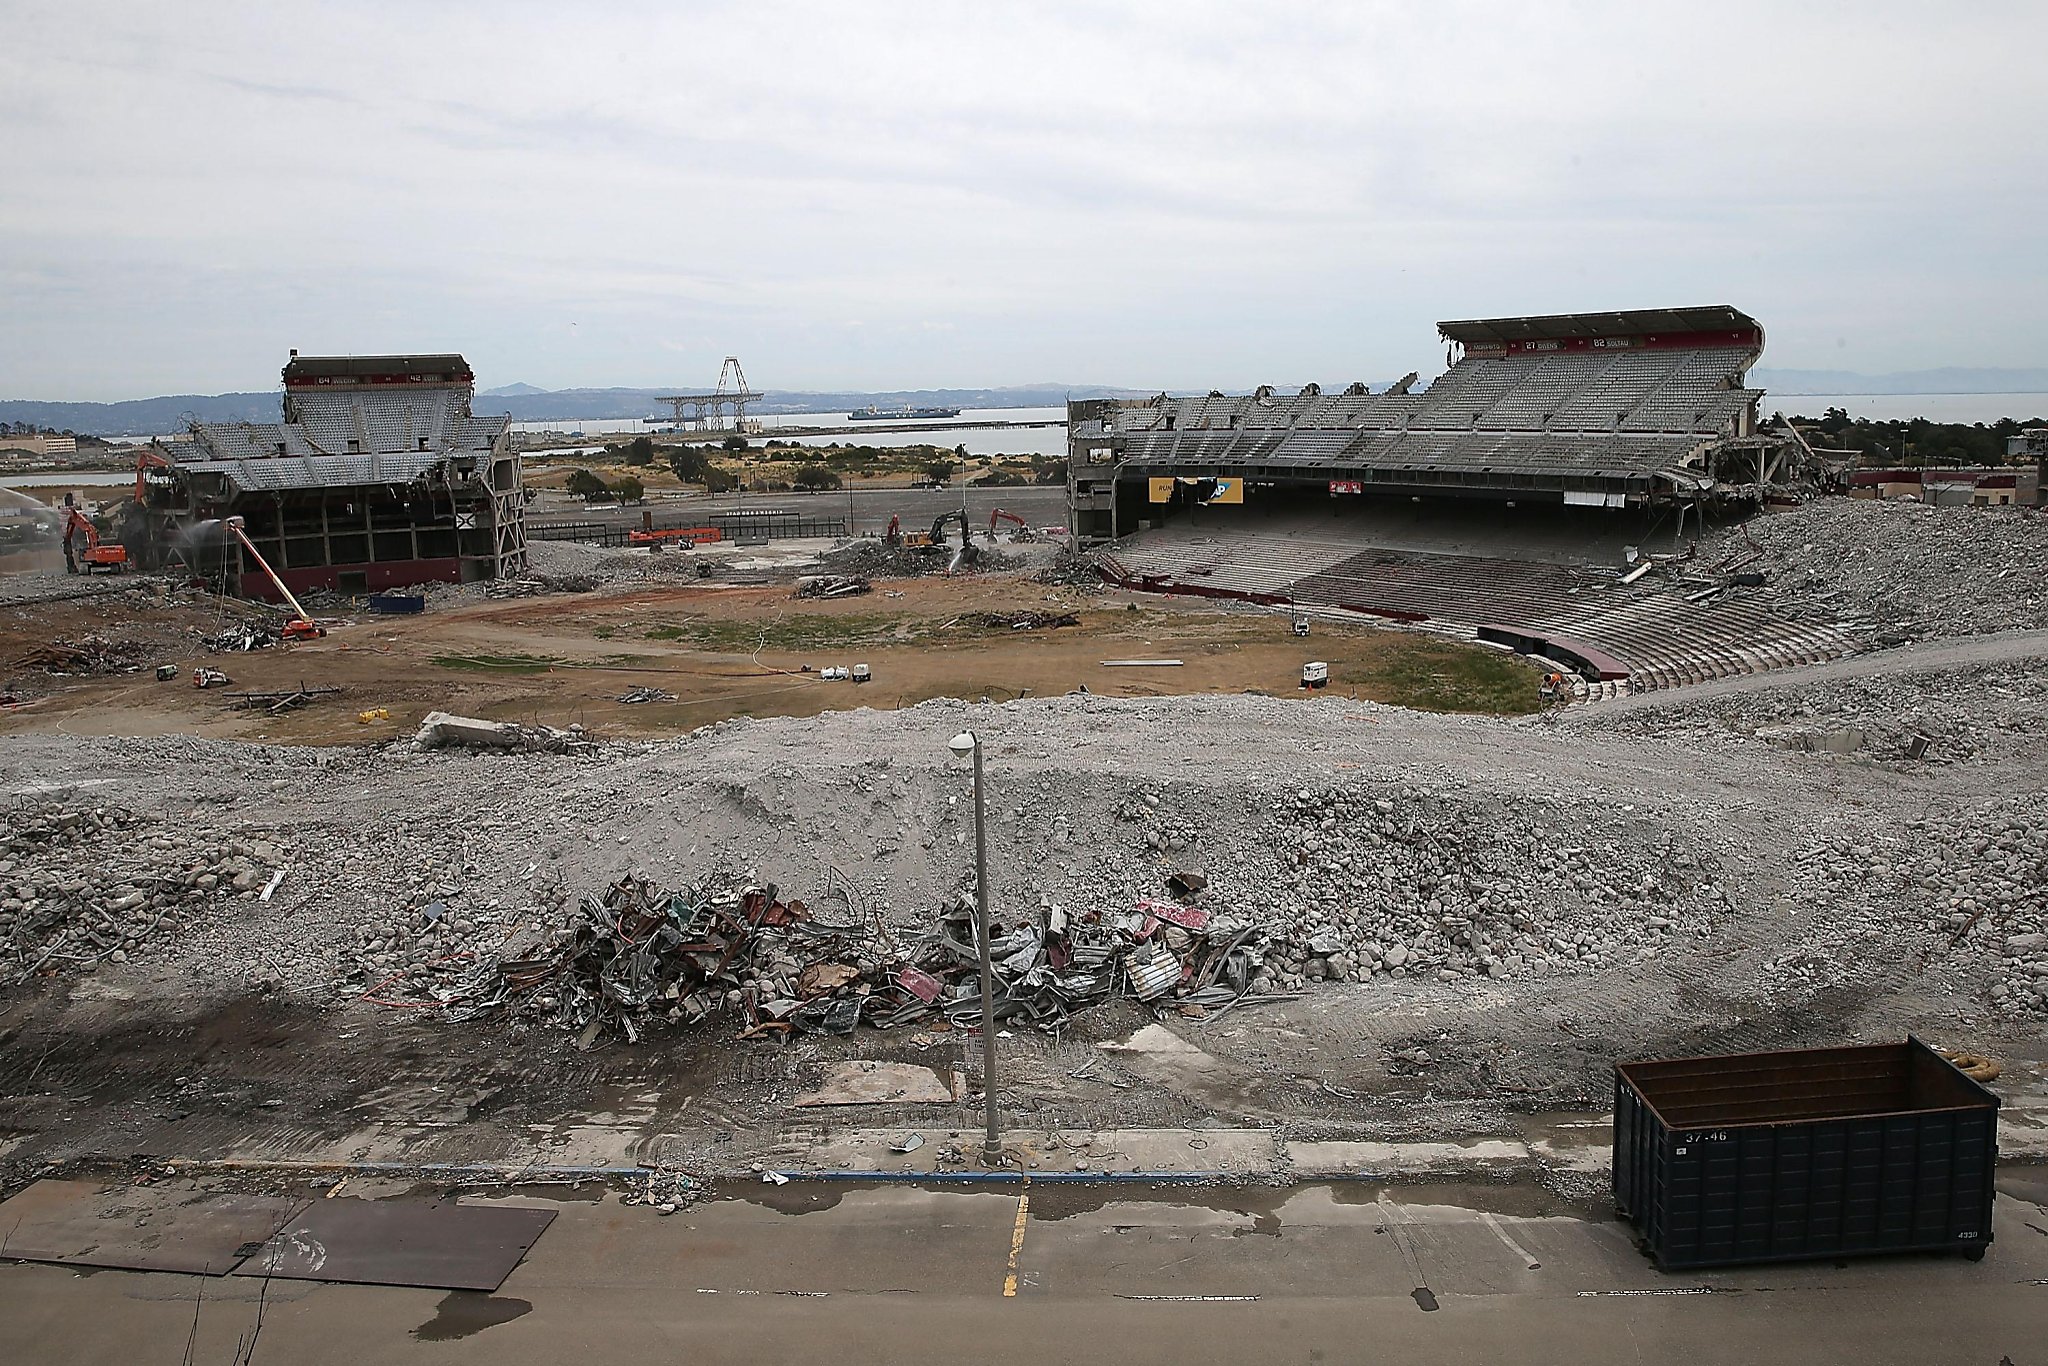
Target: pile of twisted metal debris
239	638
833	586
639	957
86	655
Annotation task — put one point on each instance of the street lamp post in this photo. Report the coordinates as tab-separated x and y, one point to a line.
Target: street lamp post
964	744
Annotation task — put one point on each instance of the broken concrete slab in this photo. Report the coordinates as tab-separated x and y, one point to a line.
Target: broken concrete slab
861	1082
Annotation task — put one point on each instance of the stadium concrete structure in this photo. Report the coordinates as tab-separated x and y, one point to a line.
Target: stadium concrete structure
1609	426
1610	410
378	476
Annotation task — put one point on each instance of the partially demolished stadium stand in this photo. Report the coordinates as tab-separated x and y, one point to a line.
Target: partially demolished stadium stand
1617	410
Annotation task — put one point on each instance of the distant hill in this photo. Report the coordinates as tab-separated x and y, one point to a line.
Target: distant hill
143	416
1949	380
525	402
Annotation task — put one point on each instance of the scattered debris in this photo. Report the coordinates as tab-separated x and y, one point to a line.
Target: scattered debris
86	655
634	696
638	958
833	586
1021	621
442	729
277	703
241	638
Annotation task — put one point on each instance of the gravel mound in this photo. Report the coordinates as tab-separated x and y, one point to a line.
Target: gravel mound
1898	571
1937	716
80	885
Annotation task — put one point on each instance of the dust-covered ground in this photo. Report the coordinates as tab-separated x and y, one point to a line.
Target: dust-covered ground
1633	894
207	942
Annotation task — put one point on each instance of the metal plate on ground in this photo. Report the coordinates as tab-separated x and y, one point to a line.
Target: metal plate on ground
138	1228
435	1246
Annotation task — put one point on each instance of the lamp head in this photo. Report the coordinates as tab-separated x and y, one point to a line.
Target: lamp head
962	744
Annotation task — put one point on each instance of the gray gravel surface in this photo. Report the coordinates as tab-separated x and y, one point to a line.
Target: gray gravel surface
1485	879
1896	571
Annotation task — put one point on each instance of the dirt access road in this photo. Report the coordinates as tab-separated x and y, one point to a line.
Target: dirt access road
723	651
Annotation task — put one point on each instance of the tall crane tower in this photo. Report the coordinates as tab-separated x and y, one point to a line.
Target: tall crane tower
723	409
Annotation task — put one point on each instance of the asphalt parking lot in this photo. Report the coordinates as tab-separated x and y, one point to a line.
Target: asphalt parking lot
1045	1273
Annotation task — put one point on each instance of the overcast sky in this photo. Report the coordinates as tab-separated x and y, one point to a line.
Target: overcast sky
854	195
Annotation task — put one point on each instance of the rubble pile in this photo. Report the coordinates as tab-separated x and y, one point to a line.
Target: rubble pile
442	730
85	656
639	958
1897	571
872	558
833	586
1380	882
1937	716
81	885
1969	886
573	567
240	638
1073	569
1021	621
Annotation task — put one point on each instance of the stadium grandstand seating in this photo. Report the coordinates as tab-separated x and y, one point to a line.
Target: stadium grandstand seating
1576	415
1625	637
1630	407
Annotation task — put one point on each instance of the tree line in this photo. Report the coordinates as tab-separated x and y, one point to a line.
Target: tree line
1916	442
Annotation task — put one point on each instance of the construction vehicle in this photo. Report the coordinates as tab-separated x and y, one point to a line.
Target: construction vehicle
145	461
897	536
96	557
1316	675
301	626
939	524
1023	531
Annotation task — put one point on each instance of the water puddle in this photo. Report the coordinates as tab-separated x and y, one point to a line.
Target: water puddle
463	1313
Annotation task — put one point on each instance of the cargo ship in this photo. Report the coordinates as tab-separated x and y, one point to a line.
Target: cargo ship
874	414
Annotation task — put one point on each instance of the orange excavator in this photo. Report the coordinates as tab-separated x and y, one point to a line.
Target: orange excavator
301	626
998	515
96	557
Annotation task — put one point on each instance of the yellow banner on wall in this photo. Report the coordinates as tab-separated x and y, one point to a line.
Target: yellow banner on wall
1227	490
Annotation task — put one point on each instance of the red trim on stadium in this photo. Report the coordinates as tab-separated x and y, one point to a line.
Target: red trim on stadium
351	381
1665	341
376	576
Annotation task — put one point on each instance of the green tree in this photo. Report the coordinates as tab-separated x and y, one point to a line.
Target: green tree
587	486
640	451
735	443
940	471
814	477
629	490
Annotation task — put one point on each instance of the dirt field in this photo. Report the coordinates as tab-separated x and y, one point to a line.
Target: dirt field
723	651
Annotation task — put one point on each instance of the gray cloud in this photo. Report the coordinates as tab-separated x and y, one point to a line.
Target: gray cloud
887	195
